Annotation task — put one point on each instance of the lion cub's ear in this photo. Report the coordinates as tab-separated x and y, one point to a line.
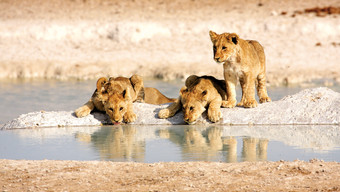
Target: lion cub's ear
101	82
136	81
234	38
204	95
190	80
213	36
126	94
138	86
183	89
111	79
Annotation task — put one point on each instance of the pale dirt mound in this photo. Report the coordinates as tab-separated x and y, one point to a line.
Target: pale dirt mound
309	107
188	176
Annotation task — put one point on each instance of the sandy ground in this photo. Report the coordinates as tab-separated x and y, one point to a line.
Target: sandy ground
190	176
164	39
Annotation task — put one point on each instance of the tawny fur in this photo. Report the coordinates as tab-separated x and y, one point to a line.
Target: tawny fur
116	95
243	60
122	93
198	94
154	96
96	100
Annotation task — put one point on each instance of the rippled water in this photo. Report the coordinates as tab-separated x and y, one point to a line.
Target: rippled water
150	143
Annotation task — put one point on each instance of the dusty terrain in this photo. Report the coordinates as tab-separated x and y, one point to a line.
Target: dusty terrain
165	39
190	176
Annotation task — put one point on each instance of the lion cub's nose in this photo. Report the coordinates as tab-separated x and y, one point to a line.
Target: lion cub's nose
217	59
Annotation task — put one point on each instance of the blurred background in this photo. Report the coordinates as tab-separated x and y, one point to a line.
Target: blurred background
166	39
52	52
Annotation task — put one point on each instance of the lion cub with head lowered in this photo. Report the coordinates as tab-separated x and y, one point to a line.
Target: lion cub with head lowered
116	95
197	94
243	59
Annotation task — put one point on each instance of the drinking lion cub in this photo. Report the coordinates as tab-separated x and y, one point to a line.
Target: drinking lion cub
243	59
197	94
116	95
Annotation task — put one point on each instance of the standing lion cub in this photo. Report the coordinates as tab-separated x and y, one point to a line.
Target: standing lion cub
245	60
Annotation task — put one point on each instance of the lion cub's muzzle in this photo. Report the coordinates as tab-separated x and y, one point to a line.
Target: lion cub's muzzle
116	119
218	60
116	122
189	121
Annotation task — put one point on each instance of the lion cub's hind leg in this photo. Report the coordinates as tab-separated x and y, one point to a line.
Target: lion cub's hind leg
85	109
261	88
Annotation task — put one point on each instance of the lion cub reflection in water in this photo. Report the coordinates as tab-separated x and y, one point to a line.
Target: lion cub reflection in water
116	95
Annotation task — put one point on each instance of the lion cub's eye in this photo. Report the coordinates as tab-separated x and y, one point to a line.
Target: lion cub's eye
224	48
191	108
121	109
110	109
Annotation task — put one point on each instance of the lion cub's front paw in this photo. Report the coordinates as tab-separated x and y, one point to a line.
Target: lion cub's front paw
82	111
130	117
240	104
265	99
214	115
250	103
164	113
229	103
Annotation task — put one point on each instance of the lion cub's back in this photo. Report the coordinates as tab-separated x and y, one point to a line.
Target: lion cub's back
259	50
119	84
154	96
219	85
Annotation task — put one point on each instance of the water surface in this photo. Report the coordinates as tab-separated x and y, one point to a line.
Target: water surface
150	143
127	143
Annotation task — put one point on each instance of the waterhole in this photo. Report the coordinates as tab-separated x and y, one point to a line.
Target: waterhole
150	143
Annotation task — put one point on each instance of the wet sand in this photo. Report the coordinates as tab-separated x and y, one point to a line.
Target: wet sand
189	176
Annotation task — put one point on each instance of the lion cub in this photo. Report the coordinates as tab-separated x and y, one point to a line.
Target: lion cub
116	95
197	94
243	59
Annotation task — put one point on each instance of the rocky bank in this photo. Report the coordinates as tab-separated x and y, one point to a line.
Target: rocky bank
310	106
